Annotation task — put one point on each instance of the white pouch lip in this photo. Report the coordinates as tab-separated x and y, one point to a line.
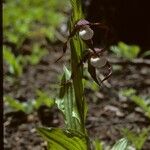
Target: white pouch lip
86	33
98	62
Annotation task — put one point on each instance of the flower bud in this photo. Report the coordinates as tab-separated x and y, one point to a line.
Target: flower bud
98	62
86	33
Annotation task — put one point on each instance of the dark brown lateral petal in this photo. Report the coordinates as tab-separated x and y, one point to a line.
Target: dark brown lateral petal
109	73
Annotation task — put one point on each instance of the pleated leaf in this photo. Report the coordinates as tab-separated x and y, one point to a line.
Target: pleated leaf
65	82
66	102
61	139
122	144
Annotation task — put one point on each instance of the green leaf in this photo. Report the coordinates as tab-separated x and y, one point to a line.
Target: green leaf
26	107
122	144
126	51
14	63
146	54
65	82
130	93
19	25
66	101
97	145
37	54
16	105
30	105
43	99
60	139
137	140
142	103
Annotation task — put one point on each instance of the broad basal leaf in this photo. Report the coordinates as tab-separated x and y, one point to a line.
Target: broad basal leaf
61	139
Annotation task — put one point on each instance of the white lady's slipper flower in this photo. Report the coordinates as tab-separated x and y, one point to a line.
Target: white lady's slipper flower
86	33
98	62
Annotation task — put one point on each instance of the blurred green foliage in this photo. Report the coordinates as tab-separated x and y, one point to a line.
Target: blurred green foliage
146	54
16	63
30	105
24	18
43	99
36	55
125	51
139	101
15	105
97	144
28	20
139	139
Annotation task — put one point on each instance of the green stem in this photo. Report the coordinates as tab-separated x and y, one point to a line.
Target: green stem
77	72
77	48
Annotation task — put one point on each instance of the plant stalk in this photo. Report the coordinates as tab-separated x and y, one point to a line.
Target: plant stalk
77	48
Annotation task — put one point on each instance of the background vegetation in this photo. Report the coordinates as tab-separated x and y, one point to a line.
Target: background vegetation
34	32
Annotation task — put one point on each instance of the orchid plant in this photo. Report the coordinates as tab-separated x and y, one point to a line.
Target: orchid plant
71	101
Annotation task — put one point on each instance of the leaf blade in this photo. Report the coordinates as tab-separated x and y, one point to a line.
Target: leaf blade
63	139
122	144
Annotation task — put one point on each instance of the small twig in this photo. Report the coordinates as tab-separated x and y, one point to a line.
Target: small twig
138	61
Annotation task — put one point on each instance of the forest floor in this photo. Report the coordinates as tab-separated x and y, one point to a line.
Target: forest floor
108	112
